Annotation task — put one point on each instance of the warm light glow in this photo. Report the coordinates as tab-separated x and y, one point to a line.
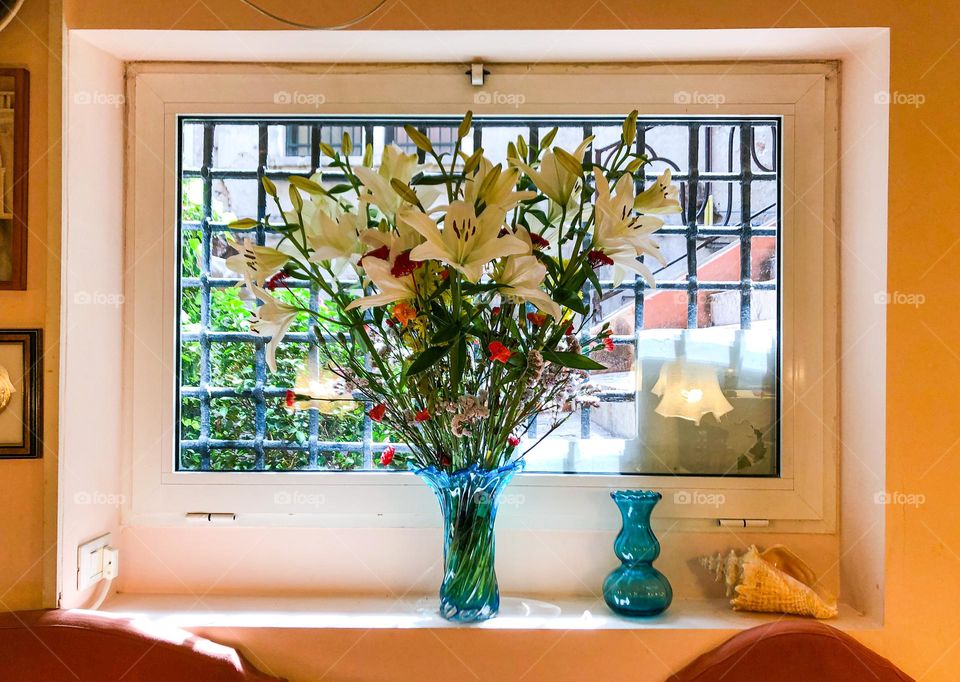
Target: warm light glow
689	390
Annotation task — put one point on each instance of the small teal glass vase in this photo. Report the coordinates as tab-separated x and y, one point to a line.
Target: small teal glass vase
468	501
636	588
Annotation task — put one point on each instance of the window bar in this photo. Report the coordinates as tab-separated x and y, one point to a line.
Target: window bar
639	286
691	232
313	419
260	356
584	409
205	174
746	228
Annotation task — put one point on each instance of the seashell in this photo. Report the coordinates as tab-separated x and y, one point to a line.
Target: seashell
773	581
6	388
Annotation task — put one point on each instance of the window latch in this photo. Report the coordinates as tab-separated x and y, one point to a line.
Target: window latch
477	73
743	523
214	518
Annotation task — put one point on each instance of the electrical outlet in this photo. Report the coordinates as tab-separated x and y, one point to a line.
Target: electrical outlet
90	563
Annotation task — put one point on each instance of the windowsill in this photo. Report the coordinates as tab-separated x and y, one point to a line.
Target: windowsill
516	613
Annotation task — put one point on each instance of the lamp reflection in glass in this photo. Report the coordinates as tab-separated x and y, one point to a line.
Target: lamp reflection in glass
689	390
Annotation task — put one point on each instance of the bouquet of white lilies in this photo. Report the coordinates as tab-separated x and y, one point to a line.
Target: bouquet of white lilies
455	307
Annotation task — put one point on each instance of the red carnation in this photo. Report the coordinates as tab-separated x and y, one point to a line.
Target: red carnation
444	460
422	416
513	440
537	319
376	414
499	352
291	398
538	241
275	281
598	258
387	455
608	343
495	310
383	253
403	266
444	275
569	331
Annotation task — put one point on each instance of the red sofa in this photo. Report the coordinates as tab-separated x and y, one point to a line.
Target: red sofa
51	646
791	651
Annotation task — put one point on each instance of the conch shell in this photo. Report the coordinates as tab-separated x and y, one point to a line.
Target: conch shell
773	581
6	388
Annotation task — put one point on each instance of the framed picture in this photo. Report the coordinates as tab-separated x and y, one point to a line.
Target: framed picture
14	127
21	393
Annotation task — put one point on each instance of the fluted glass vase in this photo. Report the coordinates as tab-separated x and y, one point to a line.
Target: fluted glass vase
636	588
468	502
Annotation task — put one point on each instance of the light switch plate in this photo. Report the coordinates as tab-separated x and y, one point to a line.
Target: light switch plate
90	561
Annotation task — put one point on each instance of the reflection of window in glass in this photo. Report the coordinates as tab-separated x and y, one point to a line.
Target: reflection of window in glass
691	385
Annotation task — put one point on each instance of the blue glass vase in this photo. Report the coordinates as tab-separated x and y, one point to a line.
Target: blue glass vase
468	501
636	588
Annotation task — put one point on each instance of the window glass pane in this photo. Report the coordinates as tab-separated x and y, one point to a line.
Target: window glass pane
689	388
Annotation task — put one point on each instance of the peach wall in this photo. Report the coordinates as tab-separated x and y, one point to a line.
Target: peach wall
27	524
922	633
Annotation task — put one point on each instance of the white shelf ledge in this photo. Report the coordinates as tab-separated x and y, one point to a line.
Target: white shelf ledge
516	613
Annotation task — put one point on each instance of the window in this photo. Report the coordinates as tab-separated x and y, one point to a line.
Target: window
743	317
692	384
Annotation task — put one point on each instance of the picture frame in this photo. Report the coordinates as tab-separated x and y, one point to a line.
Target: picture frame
21	393
14	155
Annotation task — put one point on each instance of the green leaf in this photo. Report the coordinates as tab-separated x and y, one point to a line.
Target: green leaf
458	362
571	360
422	141
446	335
427	359
306	185
341	188
243	224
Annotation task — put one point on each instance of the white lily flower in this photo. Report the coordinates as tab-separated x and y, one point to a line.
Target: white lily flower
394	164
467	242
502	192
660	197
554	178
521	277
620	236
256	264
272	319
334	239
391	288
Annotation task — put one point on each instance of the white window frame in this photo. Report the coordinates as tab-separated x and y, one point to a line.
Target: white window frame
802	499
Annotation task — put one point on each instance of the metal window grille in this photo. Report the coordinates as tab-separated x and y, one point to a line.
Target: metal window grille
718	197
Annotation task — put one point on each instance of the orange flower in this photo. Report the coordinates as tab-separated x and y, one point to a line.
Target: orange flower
537	319
404	312
499	352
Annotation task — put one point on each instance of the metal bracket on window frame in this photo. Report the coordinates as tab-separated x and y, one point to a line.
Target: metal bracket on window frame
477	74
215	518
